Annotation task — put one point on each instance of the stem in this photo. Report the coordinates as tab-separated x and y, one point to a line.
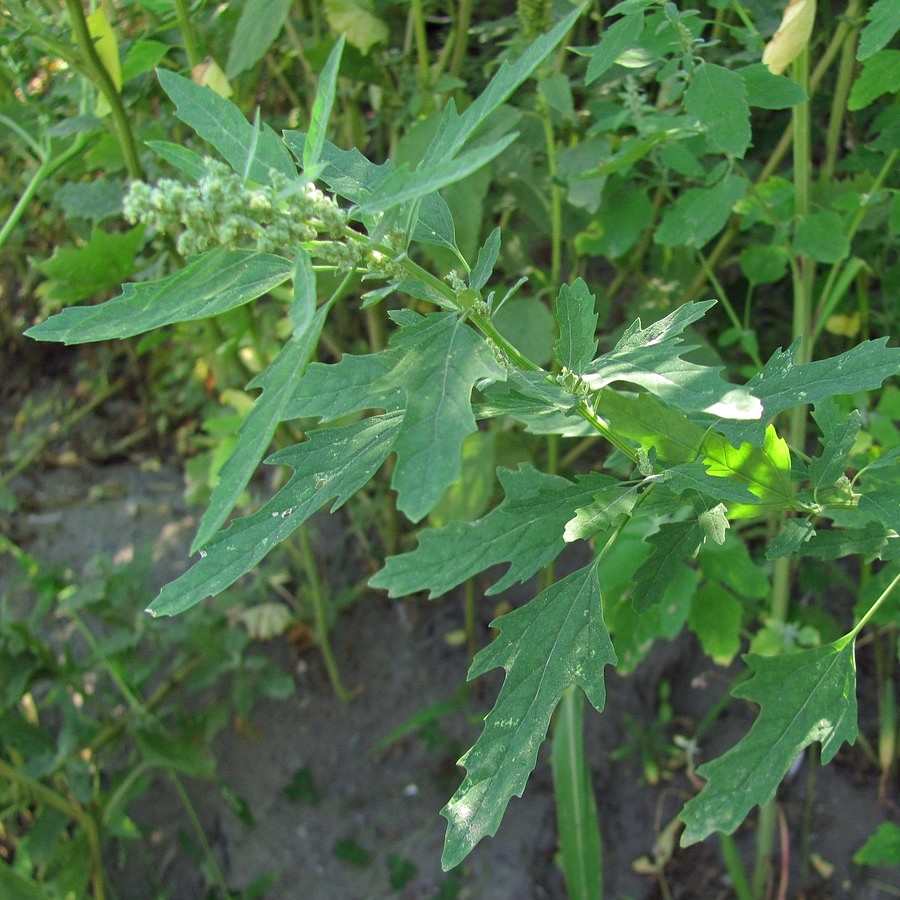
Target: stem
846	70
104	83
461	36
874	607
734	867
187	32
421	35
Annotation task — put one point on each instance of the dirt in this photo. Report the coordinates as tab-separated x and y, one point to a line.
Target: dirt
383	804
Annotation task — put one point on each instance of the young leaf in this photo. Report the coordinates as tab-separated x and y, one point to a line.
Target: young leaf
577	320
672	545
651	357
803	697
222	124
524	530
333	463
443	358
838	434
255	435
207	286
487	259
622	35
718	98
555	641
321	111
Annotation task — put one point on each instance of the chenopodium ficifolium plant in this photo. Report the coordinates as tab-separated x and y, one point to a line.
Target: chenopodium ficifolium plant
704	452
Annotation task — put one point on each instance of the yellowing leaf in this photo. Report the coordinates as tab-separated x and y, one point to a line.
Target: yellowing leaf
356	21
792	35
845	326
107	48
209	74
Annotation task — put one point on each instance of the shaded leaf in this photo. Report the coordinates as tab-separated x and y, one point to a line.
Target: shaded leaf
838	434
607	509
259	25
803	697
822	236
768	91
884	23
622	35
699	214
672	545
356	20
718	98
207	286
880	75
525	530
555	641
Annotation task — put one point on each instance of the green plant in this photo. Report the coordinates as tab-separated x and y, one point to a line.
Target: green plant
710	488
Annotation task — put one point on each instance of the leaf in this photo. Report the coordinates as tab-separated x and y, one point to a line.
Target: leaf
555	641
880	75
321	111
699	214
718	98
882	848
106	260
694	476
622	35
528	325
768	91
525	530
258	429
220	123
715	618
651	357
838	435
882	506
607	509
803	697
143	56
442	359
576	317
870	542
303	306
765	471
208	285
793	535
884	22
792	36
260	23
185	160
672	545
333	463
487	259
823	236
357	22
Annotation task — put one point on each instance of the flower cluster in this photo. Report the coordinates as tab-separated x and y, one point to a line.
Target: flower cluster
221	210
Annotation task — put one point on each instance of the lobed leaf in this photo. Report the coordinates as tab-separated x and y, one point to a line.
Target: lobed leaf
672	545
525	530
838	435
332	465
555	641
884	23
207	286
803	697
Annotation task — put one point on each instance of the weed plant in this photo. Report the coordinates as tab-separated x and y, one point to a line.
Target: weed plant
666	157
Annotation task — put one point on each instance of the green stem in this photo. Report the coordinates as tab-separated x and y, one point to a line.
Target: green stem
556	195
421	36
461	36
104	83
183	14
846	71
874	608
734	867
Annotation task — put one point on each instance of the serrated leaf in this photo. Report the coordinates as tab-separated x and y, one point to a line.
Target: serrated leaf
793	535
443	359
207	286
259	25
869	542
699	214
694	476
576	317
222	124
880	75
321	110
607	509
765	471
768	91
718	98
803	697
712	519
838	434
256	432
622	35
884	22
555	641
732	565
332	465
525	530
882	506
651	357
672	545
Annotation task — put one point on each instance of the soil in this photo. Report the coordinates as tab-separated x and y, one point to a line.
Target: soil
377	805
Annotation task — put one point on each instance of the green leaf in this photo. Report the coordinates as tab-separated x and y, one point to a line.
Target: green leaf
258	429
443	358
838	435
882	506
884	23
576	317
651	357
768	91
555	641
765	471
803	697
469	497
207	286
356	20
699	214
672	545
184	160
882	848
333	463
622	35
143	55
764	264
487	259
715	618
259	25
880	75
823	236
607	509
321	111
528	325
525	530
303	306
694	476
793	535
870	542
222	124
718	98
105	261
